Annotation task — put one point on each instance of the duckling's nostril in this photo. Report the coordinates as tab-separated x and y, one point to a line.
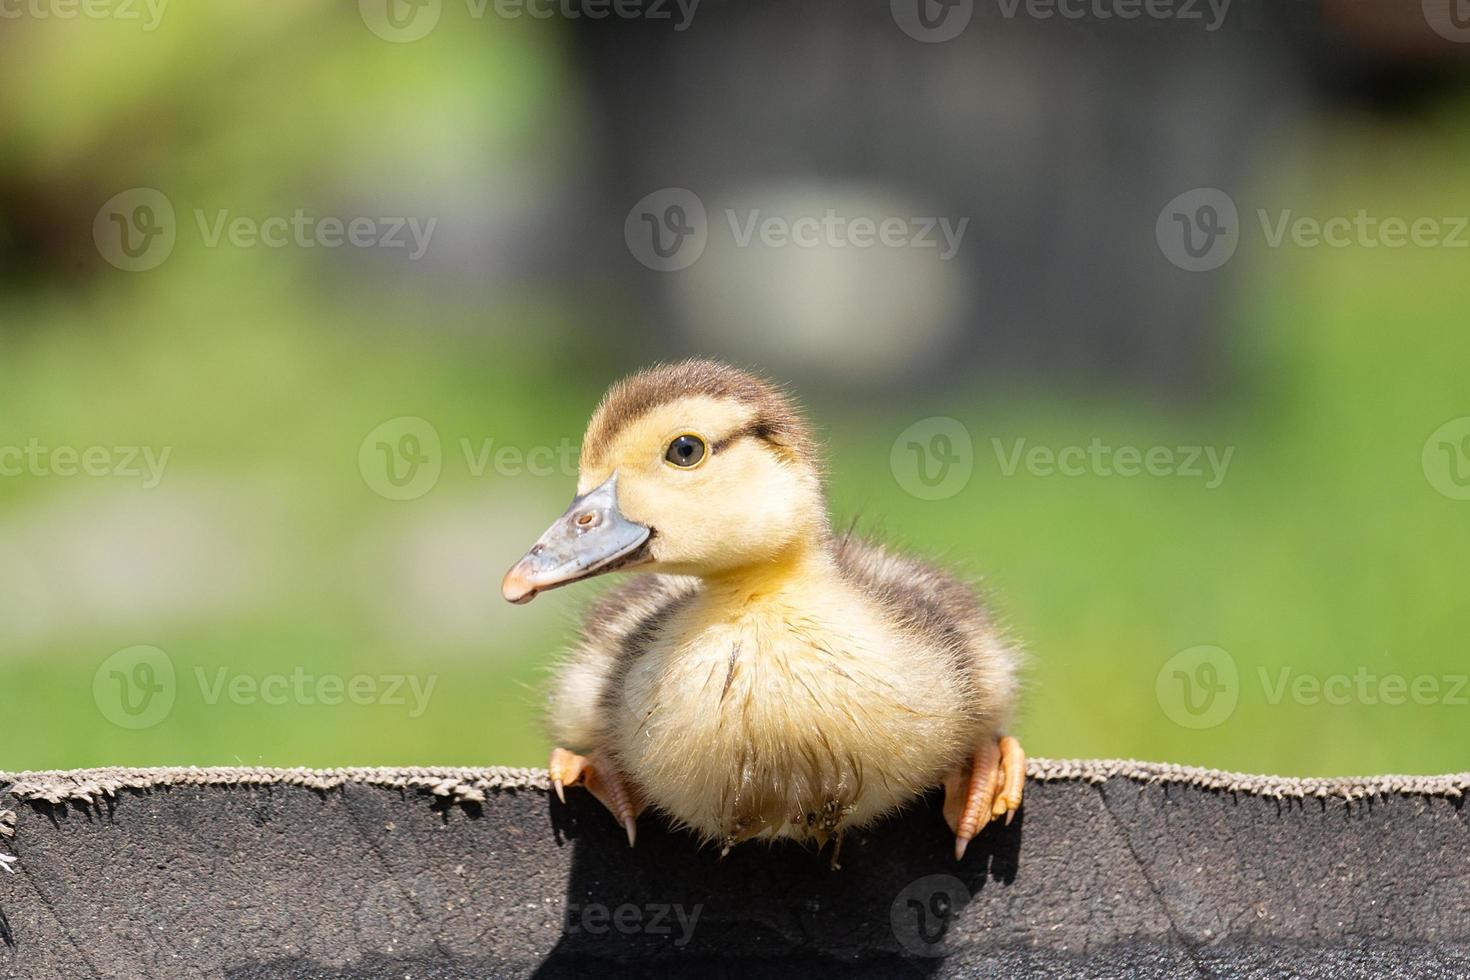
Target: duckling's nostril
587	518
536	549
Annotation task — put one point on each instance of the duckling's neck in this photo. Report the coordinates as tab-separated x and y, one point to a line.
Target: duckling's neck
801	567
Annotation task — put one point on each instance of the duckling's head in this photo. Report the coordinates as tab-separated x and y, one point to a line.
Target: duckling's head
695	468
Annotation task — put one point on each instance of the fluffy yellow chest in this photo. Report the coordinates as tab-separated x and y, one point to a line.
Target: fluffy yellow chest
787	715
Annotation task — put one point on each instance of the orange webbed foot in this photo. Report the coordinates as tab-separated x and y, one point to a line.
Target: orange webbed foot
602	779
989	787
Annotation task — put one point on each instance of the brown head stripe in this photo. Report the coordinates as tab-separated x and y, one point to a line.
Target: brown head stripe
758	429
775	419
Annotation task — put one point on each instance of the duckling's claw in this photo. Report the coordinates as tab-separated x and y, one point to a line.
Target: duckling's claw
989	787
1010	779
565	767
602	780
969	795
632	828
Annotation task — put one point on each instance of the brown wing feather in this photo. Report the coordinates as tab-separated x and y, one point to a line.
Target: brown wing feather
943	611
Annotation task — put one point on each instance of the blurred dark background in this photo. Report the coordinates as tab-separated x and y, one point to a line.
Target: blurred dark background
1149	314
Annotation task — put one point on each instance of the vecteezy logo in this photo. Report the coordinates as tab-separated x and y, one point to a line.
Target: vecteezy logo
1198	687
933	458
135	230
401	459
932	21
135	688
1450	19
922	913
1446	459
1199	229
667	230
400	21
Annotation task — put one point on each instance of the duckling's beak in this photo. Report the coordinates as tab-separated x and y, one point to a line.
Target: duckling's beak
592	537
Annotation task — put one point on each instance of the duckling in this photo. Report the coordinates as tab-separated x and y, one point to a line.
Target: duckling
761	677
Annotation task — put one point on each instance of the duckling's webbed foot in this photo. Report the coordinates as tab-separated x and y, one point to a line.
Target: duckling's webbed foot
990	786
603	780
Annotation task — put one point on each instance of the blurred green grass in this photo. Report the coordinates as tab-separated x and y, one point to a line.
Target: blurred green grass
1324	550
264	551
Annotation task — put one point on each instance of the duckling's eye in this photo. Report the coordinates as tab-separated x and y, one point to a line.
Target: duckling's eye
685	451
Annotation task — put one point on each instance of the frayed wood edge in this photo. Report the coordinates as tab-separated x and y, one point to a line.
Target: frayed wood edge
472	785
1451	785
461	785
7	831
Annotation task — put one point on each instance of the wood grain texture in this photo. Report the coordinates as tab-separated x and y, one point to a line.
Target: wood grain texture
1111	869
